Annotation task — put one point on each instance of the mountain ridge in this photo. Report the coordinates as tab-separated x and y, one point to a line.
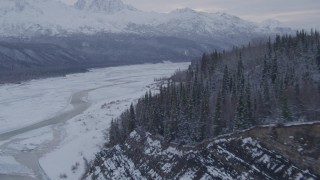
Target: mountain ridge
51	17
105	6
113	32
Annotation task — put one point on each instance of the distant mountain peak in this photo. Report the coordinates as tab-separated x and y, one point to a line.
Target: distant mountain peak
52	17
272	23
14	5
106	6
184	10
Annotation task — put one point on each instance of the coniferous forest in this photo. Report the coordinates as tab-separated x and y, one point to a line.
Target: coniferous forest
268	83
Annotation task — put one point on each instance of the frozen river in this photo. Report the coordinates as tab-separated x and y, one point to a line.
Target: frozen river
49	128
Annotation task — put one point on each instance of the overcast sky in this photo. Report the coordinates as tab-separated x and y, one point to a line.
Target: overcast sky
298	13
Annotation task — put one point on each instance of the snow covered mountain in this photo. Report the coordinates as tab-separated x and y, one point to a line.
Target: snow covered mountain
110	32
52	17
106	6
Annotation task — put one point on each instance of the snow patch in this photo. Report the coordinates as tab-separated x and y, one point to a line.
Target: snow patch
167	167
265	159
134	135
173	151
8	165
188	175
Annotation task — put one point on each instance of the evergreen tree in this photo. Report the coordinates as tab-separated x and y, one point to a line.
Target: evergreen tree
265	87
217	116
204	117
225	82
167	130
240	76
240	113
112	133
132	119
318	58
248	110
274	69
265	70
285	112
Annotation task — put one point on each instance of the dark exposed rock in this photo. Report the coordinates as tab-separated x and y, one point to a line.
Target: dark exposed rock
252	154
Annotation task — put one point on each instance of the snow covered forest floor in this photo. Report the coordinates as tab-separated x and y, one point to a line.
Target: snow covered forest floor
49	128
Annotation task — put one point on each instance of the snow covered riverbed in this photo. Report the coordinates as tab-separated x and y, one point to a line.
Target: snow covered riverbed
49	126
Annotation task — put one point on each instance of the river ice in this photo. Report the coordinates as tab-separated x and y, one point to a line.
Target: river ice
66	118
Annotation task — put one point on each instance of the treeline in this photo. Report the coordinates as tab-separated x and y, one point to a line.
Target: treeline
274	82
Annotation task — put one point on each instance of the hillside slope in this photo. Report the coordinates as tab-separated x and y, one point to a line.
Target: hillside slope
276	82
169	134
22	57
286	152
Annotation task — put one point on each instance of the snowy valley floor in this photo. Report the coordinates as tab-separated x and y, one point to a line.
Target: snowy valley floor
49	128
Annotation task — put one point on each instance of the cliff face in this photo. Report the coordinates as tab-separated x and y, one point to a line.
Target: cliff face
286	152
298	143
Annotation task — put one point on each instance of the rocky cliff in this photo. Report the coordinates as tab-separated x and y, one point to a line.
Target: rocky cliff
273	152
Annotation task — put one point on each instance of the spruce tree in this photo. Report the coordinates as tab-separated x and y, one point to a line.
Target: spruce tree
217	116
167	130
274	69
204	113
132	119
285	111
240	77
265	70
318	58
248	110
240	113
112	133
225	82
